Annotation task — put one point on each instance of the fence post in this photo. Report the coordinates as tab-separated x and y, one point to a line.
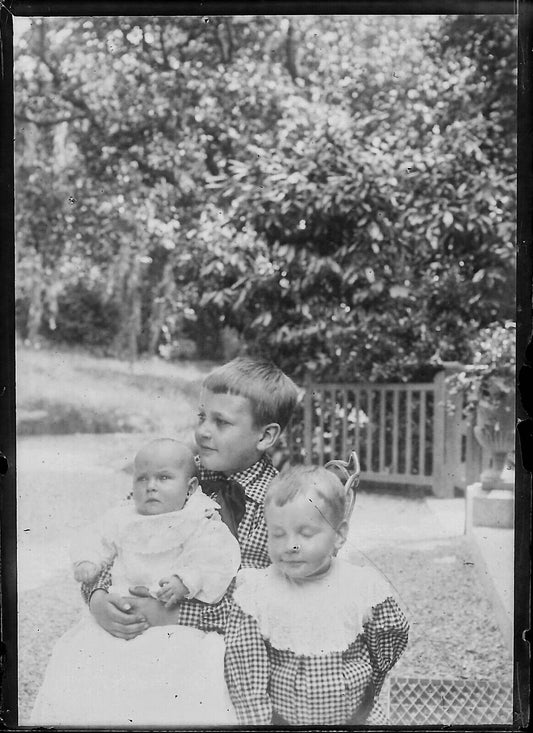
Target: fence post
308	420
441	483
474	457
453	419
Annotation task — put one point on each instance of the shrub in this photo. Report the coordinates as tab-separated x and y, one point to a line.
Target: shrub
491	372
85	317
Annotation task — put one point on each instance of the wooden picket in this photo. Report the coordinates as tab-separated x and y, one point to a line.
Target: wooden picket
404	434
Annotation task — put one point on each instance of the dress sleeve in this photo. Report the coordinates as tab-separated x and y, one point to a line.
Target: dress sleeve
209	561
254	543
247	669
386	633
96	541
102	582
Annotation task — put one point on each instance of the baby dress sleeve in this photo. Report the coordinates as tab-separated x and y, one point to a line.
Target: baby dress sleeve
385	629
246	661
96	541
209	561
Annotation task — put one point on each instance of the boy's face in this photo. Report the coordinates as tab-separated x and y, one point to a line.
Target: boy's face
160	480
226	436
301	539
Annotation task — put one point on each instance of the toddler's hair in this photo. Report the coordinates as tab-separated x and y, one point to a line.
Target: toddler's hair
272	394
183	454
309	481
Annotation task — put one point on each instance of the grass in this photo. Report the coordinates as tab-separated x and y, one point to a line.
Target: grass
61	391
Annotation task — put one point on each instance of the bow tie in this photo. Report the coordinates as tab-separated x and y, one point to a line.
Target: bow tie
229	494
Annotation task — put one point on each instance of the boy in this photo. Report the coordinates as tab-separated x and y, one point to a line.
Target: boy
244	406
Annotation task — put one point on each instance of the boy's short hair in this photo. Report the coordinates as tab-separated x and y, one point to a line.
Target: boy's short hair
272	394
304	480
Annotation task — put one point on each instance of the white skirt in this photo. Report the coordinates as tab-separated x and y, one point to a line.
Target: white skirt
169	676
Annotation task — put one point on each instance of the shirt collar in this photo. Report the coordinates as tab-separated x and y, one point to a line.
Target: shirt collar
254	480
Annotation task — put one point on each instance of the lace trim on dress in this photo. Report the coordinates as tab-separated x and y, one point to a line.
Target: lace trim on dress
313	617
148	534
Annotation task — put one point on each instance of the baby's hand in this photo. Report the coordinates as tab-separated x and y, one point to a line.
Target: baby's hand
86	572
172	591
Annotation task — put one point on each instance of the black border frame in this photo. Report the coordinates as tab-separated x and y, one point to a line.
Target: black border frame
524	262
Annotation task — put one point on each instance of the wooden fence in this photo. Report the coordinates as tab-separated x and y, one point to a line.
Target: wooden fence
404	434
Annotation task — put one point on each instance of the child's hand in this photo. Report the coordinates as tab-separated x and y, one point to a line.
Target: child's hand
117	615
172	591
86	572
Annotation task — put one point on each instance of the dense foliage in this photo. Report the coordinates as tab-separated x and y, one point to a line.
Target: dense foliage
334	191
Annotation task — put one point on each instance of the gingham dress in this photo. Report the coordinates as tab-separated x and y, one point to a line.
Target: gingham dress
308	652
252	540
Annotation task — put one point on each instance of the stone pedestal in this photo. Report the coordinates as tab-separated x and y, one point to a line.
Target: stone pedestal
494	508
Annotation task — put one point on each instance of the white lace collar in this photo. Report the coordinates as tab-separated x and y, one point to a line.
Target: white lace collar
315	617
147	533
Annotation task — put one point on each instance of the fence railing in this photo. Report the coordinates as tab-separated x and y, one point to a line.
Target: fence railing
404	434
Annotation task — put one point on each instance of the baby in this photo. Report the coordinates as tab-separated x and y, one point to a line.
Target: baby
171	540
311	637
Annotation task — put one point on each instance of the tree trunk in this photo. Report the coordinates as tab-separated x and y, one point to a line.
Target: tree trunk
158	311
36	297
128	293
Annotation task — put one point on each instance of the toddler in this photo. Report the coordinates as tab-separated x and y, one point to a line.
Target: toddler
169	539
310	638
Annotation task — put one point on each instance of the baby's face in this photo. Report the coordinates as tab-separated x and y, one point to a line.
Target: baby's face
160	481
301	539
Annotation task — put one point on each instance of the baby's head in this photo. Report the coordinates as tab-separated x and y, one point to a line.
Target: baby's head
244	406
305	516
164	474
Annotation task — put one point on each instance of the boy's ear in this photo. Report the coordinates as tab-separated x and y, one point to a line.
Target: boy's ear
270	434
342	534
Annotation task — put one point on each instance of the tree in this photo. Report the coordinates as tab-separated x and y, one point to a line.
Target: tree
389	216
338	189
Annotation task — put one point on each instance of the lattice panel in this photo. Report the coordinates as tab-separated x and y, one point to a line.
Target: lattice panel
429	701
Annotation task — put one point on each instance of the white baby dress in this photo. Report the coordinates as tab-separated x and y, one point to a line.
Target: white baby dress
169	676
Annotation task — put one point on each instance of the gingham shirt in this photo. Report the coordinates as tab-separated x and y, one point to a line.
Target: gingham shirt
311	688
252	540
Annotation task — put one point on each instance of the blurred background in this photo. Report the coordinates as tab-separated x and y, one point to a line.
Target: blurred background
334	192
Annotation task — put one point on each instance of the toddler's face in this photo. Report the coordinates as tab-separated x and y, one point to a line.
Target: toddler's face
226	436
301	540
160	483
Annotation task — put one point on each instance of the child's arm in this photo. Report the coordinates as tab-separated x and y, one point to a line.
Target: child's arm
386	631
101	582
112	612
172	591
254	552
209	562
247	669
116	615
93	547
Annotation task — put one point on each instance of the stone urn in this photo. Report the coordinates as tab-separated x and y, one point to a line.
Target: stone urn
495	431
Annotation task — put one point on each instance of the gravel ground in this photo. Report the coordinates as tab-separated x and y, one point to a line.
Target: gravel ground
453	629
44	615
